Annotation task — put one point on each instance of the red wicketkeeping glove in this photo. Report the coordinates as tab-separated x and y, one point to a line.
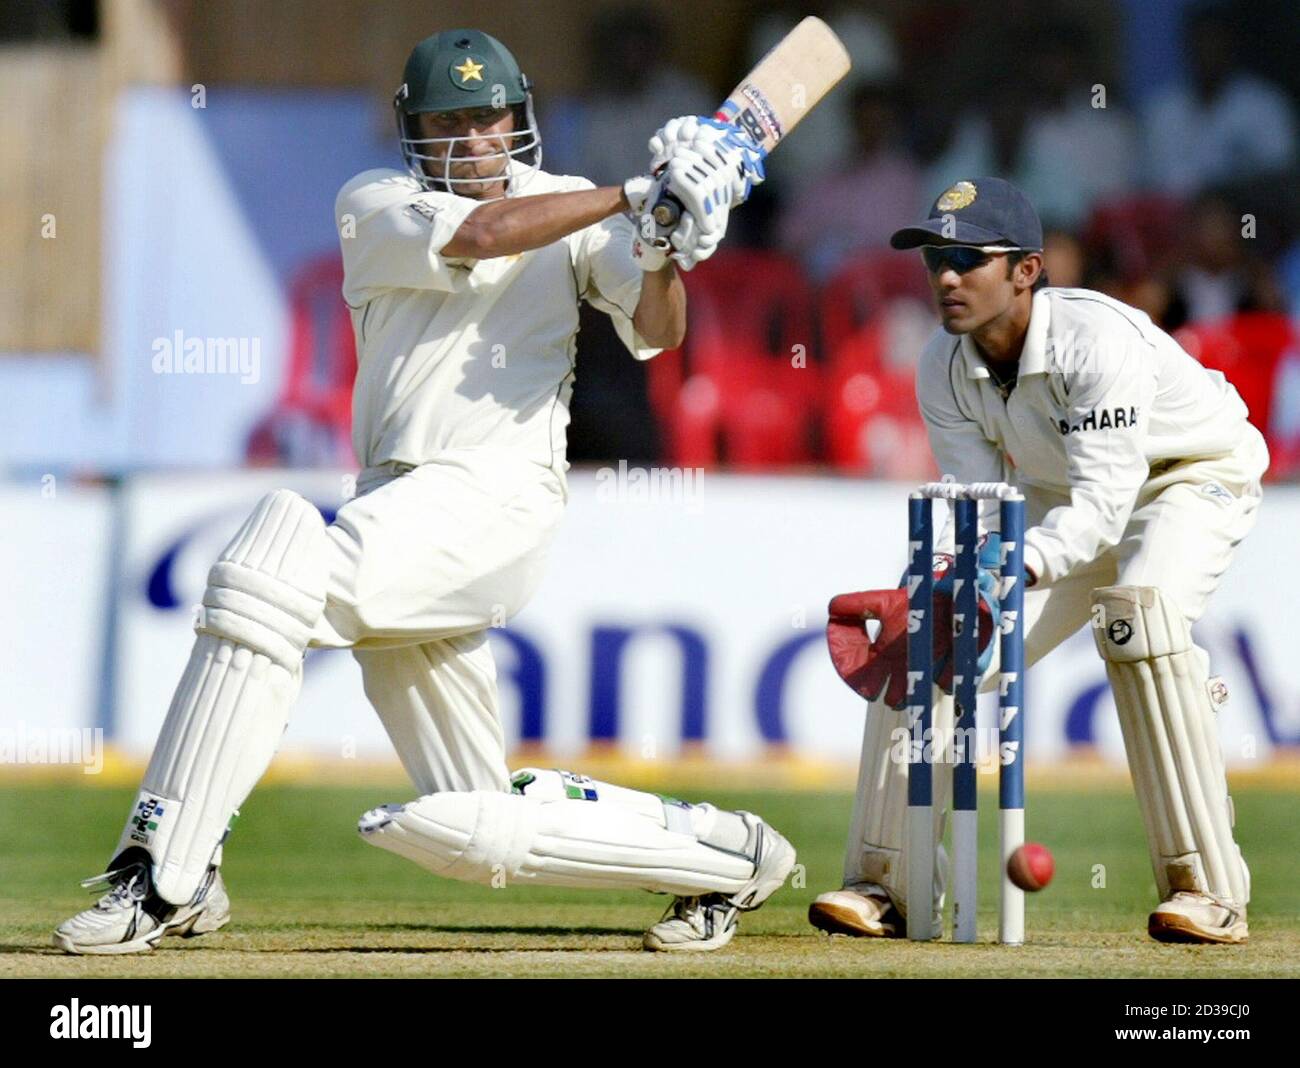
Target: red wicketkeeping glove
871	668
879	667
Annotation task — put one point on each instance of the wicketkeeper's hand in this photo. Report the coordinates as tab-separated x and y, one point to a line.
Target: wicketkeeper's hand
990	609
874	668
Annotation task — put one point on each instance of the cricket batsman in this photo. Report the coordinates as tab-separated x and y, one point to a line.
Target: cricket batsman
464	276
1141	476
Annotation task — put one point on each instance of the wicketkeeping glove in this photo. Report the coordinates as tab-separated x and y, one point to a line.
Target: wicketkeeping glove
990	610
872	668
876	668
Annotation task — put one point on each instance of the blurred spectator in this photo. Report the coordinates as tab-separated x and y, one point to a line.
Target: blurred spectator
1219	275
1041	127
1063	259
632	90
1226	125
857	205
986	138
601	134
1079	145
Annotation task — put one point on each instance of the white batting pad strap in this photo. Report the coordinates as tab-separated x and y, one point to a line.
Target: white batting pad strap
256	610
267	590
1142	626
555	784
1167	718
500	839
232	704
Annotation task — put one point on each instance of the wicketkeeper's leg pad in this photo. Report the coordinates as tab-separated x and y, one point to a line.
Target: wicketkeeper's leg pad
1166	702
264	597
877	851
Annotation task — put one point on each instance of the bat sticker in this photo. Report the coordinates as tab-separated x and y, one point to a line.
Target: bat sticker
766	115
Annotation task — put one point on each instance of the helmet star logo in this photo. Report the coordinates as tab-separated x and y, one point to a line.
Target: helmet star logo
469	71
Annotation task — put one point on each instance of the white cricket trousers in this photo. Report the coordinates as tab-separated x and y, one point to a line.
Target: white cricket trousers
422	563
1189	519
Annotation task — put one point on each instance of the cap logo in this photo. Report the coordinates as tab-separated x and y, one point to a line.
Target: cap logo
959	196
469	71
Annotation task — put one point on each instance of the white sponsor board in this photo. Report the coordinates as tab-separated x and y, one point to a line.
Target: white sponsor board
688	612
176	525
53	575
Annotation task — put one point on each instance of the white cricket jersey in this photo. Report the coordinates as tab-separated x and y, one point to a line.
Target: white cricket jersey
457	353
1102	394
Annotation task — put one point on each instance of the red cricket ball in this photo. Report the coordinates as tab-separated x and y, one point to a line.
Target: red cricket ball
1031	866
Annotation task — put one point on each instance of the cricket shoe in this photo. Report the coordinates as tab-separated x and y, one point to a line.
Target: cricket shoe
863	910
131	918
701	924
1193	917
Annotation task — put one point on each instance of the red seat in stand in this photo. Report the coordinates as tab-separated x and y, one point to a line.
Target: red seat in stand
859	291
1251	349
872	423
745	387
1136	233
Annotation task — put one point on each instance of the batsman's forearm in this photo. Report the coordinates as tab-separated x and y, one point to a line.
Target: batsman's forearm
660	316
507	227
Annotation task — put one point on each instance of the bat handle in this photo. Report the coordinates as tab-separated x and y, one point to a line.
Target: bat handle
667	210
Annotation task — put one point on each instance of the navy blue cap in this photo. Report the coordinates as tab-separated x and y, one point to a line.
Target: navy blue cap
977	211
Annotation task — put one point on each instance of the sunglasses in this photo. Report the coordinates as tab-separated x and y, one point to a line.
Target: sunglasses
960	258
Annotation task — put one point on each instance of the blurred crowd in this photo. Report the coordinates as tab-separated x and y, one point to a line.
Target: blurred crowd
1180	203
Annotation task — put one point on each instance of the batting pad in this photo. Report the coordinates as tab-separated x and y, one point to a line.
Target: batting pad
501	839
264	596
1166	702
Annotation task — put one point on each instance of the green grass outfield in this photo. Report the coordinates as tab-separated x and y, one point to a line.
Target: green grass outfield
311	899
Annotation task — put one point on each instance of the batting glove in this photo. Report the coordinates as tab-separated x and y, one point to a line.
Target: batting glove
691	243
641	193
650	245
703	187
650	250
730	146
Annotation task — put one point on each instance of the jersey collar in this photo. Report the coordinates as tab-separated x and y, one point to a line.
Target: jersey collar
1033	357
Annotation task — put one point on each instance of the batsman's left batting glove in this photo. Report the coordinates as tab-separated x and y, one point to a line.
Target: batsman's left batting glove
722	141
703	188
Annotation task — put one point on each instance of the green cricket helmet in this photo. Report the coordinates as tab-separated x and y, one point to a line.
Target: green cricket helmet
457	70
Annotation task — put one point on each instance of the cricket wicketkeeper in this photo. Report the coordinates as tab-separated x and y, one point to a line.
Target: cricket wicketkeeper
464	275
1141	476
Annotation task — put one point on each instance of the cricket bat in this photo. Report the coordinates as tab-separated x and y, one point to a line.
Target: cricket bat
772	98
